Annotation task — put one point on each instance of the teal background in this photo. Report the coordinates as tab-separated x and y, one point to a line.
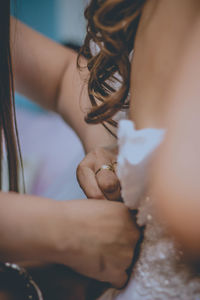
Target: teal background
39	14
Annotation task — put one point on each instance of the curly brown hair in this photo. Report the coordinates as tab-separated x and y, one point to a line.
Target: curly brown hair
112	26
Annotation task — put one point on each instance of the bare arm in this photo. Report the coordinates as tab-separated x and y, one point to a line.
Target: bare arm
95	238
29	228
46	73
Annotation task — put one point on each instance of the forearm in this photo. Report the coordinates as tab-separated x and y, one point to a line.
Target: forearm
73	104
30	228
38	64
47	73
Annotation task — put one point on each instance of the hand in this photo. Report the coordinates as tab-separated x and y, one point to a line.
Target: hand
103	235
105	183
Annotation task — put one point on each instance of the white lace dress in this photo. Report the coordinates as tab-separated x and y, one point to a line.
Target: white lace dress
160	273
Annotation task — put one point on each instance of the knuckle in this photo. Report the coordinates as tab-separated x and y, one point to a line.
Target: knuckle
133	239
134	233
81	171
98	151
124	214
95	195
79	168
120	278
129	257
109	185
126	256
137	235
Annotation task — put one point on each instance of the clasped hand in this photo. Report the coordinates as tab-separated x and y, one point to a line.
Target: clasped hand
109	224
98	182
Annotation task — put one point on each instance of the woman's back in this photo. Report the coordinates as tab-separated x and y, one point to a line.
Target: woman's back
160	271
162	40
163	35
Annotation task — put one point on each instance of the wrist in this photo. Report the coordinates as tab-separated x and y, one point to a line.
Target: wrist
27	228
97	136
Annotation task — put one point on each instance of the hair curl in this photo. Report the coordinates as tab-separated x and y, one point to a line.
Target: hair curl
112	26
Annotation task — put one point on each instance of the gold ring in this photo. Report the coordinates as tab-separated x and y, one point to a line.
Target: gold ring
109	167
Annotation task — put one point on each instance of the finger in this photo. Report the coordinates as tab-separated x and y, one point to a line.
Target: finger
119	280
88	183
109	184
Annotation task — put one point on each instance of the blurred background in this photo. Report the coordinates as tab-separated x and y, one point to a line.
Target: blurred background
51	151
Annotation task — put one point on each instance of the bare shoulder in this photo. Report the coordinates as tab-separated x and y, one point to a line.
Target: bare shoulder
163	33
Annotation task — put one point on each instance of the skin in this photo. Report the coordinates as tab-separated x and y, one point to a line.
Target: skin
95	238
165	89
159	59
60	232
46	73
106	180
